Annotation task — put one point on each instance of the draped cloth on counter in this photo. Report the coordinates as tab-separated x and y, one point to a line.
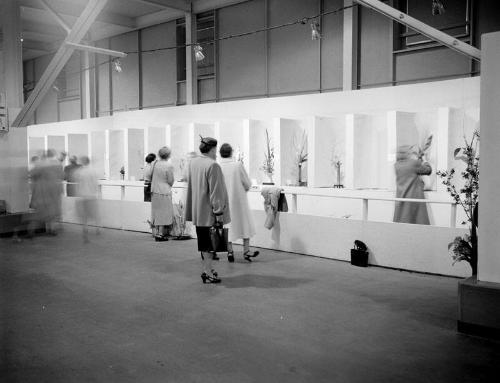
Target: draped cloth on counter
274	201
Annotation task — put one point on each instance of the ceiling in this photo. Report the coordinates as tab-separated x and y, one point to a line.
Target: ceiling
43	33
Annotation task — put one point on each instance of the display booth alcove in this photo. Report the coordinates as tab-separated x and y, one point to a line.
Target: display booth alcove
361	130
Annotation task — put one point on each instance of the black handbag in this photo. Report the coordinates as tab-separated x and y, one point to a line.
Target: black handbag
359	255
219	237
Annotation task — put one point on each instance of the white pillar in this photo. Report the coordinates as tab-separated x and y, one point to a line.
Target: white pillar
350	47
12	56
489	185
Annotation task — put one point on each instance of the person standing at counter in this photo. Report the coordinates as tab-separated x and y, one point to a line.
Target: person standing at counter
410	185
162	179
238	184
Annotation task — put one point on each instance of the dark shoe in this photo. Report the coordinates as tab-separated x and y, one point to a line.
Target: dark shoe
210	278
215	257
230	256
248	255
160	238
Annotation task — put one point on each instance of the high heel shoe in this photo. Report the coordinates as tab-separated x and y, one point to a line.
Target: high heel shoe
214	256
210	278
161	238
248	255
230	256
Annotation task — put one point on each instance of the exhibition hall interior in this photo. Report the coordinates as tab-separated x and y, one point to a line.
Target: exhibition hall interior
328	167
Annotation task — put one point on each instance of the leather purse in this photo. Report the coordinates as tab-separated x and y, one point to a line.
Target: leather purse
219	237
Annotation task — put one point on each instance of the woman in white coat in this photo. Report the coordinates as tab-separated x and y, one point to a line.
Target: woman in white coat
237	185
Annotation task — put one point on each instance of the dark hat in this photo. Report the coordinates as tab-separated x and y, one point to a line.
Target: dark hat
209	141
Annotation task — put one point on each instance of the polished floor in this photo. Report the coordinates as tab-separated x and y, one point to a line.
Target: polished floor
124	308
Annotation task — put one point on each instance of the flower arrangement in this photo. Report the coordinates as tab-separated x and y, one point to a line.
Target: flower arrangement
421	151
465	248
240	156
268	164
122	172
301	155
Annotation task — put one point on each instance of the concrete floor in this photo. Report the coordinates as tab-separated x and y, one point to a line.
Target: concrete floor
127	309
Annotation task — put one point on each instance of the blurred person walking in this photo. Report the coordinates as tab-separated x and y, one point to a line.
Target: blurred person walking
162	179
88	190
69	176
238	184
206	202
410	185
46	178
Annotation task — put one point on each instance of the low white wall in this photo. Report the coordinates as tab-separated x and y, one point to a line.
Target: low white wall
409	247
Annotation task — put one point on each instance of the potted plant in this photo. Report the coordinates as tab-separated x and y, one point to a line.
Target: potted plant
465	248
268	164
301	156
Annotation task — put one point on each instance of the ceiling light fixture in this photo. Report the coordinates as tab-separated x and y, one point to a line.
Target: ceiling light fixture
117	65
437	7
198	53
315	34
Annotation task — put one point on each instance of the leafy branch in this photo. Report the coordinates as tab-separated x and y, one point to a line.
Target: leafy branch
268	164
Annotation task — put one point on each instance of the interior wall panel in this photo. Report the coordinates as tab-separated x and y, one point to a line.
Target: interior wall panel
159	76
103	81
293	56
242	60
375	48
332	31
126	83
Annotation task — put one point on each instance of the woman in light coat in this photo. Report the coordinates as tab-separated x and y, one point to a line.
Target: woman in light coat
237	184
162	179
410	185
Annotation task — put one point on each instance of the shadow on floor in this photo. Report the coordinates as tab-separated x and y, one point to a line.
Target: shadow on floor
261	281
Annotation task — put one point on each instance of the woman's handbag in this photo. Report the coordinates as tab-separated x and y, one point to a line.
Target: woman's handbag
219	237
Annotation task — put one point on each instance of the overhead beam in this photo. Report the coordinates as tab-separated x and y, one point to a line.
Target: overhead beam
103	51
61	57
74	9
181	5
55	15
422	28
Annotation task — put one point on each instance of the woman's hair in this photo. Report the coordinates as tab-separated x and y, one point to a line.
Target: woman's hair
225	150
164	152
150	158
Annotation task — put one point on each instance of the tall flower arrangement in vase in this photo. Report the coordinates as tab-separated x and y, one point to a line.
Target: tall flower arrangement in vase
300	156
268	164
465	248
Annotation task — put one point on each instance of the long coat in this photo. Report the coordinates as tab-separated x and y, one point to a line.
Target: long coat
206	193
410	185
237	184
162	210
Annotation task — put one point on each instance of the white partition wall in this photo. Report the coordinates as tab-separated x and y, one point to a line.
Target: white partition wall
327	145
36	146
135	154
233	133
292	135
156	137
367	148
257	147
116	153
181	138
203	130
98	152
56	143
78	145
